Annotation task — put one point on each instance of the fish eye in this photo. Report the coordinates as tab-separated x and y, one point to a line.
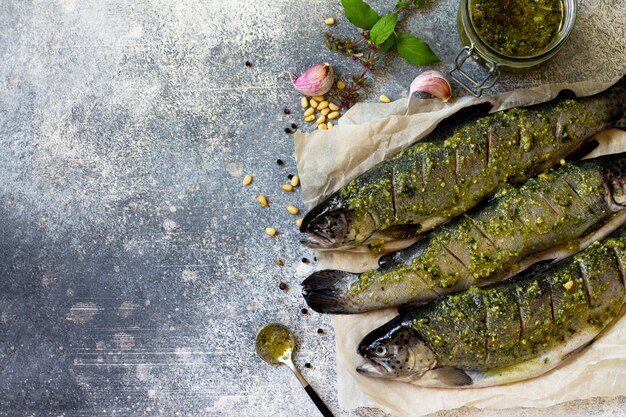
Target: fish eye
325	222
380	350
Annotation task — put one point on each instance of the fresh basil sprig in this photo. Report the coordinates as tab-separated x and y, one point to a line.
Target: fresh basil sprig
382	29
377	34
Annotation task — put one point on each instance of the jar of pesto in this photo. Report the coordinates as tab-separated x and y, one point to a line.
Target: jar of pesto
509	35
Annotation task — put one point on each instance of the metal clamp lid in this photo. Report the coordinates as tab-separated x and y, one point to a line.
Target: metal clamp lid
475	87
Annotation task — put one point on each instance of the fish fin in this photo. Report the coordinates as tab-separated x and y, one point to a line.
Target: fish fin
322	290
565	94
402	231
464	115
619	88
584	150
404	256
538	268
452	377
408	307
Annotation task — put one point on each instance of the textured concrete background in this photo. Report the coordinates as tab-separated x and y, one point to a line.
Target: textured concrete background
134	271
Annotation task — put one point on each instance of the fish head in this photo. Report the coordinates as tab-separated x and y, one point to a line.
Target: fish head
330	225
615	175
395	351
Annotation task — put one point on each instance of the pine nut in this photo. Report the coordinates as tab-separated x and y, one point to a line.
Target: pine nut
384	99
263	200
322	105
321	119
313	103
247	180
270	231
341	85
329	125
319	99
309	118
299	222
333	115
293	210
295	181
304	102
325	111
286	187
322	126
329	21
333	106
309	112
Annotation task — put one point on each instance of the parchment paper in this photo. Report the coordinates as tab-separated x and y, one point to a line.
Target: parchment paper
366	135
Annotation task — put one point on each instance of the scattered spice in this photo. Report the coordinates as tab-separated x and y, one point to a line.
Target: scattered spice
320	331
286	111
283	286
248	64
305	260
280	162
290	176
287	130
279	262
294	126
304	311
307	365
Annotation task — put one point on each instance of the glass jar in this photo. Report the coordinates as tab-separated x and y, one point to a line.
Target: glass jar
493	60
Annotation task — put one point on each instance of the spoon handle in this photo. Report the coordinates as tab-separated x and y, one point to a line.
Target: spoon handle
318	401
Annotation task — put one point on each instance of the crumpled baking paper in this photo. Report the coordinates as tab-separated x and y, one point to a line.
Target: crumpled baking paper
371	132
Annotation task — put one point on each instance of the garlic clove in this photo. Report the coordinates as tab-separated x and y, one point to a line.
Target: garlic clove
316	81
433	83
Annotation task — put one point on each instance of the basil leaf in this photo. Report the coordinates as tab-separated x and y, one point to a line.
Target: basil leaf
383	28
360	14
391	41
415	50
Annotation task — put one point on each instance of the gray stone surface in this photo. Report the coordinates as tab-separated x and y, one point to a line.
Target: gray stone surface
134	270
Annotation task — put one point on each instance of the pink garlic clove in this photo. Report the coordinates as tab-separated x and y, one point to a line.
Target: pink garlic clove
316	81
433	83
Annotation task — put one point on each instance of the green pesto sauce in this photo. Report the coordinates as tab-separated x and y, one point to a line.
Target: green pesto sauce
542	213
517	27
275	341
406	189
480	329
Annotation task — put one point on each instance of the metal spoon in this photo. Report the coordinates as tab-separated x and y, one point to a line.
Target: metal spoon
275	344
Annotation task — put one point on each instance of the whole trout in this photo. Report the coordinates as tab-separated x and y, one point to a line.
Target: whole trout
539	220
507	332
455	167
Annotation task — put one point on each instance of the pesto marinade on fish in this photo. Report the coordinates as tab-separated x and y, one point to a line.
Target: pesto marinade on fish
541	219
508	332
457	166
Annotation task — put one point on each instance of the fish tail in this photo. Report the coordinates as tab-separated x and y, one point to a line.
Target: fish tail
324	291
